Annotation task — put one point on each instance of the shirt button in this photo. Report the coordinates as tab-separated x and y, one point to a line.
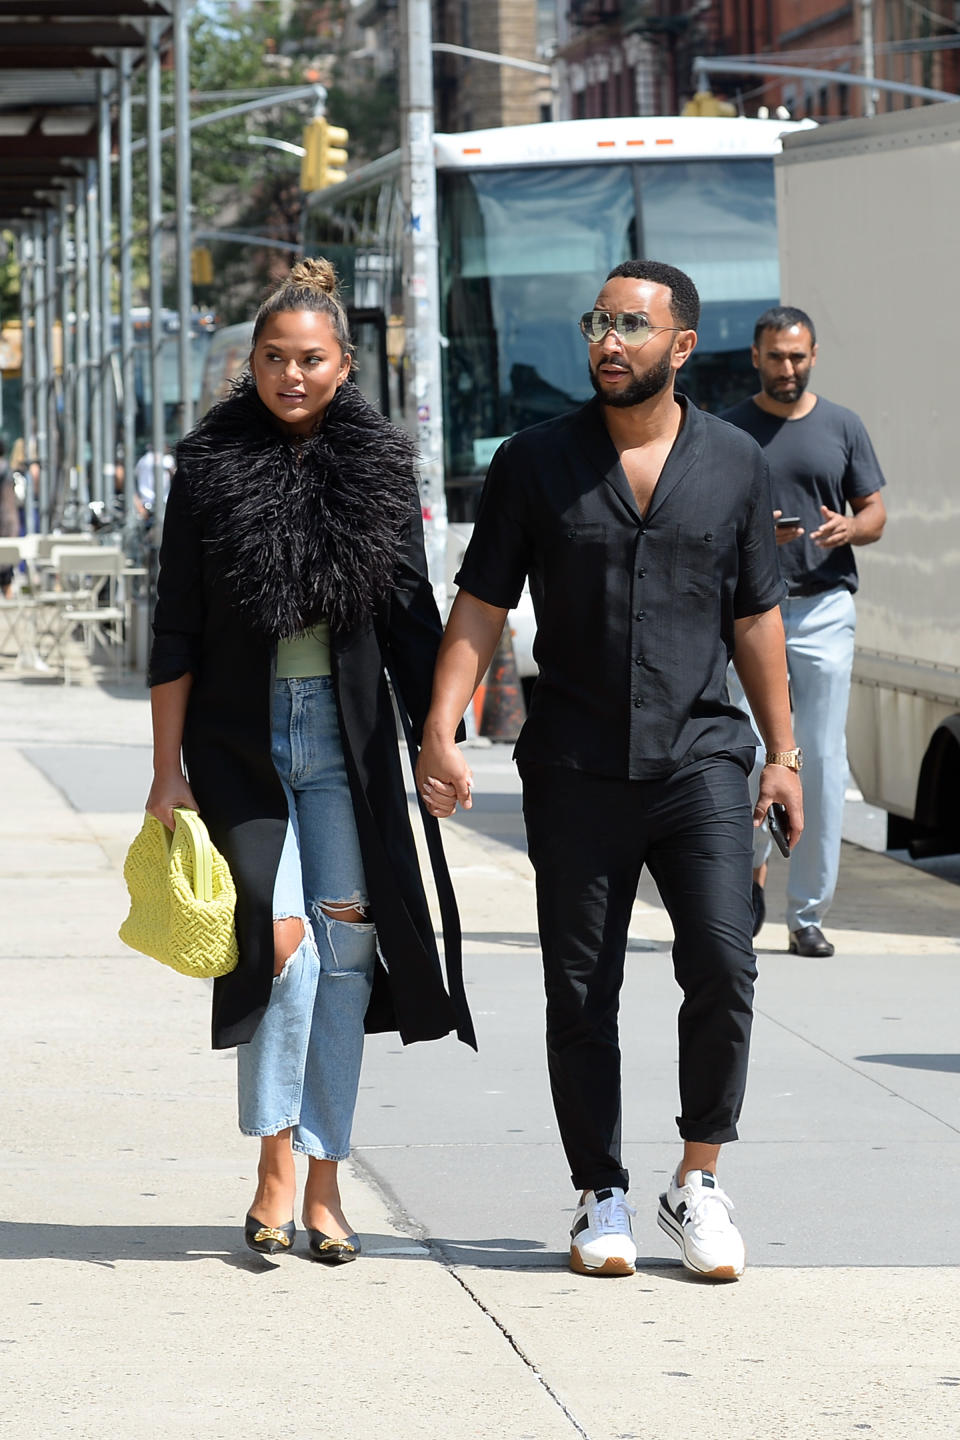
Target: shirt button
641	573
640	615
638	702
639	660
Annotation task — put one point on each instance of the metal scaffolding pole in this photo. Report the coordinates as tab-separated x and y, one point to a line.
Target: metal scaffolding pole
424	389
28	373
82	301
155	262
68	361
181	52
54	446
124	243
41	333
96	333
108	394
869	66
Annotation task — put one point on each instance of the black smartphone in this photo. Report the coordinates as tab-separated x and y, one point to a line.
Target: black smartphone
787	521
777	825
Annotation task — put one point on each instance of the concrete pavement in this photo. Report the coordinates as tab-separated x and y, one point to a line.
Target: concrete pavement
128	1307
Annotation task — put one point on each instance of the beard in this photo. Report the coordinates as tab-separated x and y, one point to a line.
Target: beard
787	391
641	388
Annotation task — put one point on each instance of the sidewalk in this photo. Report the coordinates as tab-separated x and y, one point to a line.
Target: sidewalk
128	1308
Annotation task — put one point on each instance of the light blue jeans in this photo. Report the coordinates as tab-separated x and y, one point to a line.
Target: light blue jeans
301	1070
819	631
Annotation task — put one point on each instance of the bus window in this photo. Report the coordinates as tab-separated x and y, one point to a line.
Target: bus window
523	252
229	349
716	219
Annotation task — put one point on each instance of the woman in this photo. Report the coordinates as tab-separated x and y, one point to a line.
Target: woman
292	579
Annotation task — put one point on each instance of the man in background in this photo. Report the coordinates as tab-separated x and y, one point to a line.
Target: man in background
826	484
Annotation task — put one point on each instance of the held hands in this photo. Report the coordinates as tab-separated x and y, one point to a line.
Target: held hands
836	529
780	785
167	793
443	778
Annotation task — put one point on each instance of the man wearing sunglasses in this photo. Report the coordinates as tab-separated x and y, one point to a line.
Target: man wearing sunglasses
645	528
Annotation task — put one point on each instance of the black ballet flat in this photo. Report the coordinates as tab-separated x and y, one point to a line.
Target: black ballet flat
333	1251
268	1239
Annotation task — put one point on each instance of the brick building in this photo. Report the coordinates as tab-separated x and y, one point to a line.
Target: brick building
619	57
473	94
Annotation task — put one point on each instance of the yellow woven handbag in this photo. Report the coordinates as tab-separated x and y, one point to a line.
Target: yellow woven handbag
182	898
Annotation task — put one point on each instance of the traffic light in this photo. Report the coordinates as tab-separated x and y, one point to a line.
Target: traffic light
706	103
201	265
324	154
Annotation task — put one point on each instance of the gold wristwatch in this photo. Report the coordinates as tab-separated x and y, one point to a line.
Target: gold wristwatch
791	759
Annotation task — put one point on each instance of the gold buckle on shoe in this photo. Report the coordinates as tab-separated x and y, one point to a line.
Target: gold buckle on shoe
267	1232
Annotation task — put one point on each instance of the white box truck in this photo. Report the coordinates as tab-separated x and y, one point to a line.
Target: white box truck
869	227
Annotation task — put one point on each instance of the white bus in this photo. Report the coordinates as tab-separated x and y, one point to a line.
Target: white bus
530	220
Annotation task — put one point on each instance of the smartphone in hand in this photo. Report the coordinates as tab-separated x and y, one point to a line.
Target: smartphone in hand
777	825
787	522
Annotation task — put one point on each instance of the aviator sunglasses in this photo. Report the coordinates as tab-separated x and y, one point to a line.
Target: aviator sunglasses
633	330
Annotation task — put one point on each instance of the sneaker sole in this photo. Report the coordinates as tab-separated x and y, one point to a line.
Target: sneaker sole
670	1226
613	1265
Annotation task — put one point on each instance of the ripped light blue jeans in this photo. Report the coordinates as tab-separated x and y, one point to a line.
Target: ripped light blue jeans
301	1070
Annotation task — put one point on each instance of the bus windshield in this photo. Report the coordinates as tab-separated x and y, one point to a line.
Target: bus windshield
524	252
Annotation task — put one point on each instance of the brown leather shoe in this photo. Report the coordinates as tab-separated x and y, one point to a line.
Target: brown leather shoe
810	940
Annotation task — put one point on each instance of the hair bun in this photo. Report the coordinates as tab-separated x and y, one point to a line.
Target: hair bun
314	273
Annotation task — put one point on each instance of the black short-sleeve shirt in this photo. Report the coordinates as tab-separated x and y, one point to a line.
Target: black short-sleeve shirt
823	458
635	615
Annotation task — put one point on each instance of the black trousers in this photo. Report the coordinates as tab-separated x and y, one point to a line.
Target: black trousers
589	837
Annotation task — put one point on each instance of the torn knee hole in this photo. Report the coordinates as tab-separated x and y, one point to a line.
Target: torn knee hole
345	910
287	937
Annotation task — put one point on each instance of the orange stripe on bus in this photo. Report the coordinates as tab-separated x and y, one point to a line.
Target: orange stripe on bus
636	142
665	142
477	151
606	144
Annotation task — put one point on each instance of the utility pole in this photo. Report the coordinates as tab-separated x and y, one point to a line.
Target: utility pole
869	68
181	81
424	386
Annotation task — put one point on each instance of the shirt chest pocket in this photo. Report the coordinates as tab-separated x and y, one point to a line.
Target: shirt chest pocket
703	557
574	566
572	544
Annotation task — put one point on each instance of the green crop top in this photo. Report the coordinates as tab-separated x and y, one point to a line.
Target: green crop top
305	655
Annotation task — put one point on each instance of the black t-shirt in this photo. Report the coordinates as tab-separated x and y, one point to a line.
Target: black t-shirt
824	458
635	615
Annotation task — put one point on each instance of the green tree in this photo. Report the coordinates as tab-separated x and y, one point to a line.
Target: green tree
235	186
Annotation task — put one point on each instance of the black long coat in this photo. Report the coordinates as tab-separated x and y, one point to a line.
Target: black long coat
261	536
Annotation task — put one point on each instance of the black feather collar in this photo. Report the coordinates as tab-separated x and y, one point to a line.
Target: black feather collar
301	530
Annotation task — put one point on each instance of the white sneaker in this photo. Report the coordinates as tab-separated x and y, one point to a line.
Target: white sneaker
601	1241
697	1215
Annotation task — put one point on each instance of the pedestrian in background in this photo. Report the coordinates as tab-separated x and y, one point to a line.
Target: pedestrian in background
9	516
821	462
292	577
644	527
145	478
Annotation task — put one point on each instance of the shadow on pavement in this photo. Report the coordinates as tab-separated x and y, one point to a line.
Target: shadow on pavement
109	1244
949	1064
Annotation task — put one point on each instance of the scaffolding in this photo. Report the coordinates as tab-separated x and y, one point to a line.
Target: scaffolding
66	192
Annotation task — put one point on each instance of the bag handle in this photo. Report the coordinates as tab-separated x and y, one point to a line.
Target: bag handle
192	828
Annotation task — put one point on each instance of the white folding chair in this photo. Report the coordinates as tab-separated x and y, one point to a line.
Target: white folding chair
12	609
91	597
